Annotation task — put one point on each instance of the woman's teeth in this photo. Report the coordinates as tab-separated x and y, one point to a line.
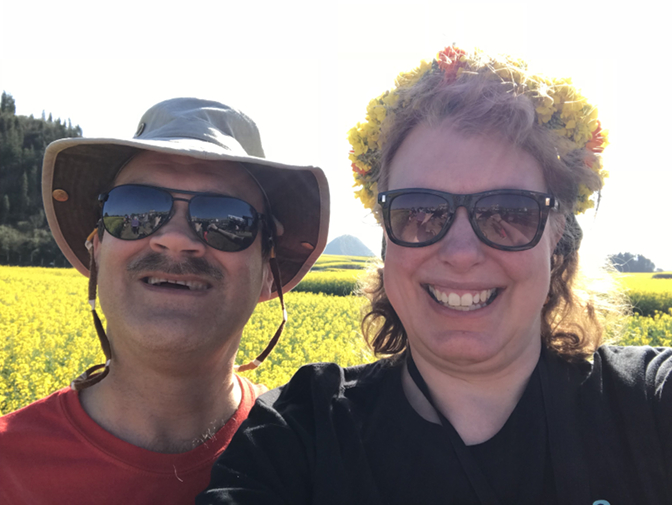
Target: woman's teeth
465	302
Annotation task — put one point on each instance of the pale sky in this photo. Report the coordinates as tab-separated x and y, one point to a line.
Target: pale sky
304	71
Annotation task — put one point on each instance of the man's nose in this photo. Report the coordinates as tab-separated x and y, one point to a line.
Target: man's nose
176	237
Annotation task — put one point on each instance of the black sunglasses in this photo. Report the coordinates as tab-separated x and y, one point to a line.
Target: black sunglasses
506	219
134	211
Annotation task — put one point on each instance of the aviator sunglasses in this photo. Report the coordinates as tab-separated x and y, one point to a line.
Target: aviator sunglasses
506	219
134	211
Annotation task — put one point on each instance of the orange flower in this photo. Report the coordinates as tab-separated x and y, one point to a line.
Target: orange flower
595	143
449	62
355	168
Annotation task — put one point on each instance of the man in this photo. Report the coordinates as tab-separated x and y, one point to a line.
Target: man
193	227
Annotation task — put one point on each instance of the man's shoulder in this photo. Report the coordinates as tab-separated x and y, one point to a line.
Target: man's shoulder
41	415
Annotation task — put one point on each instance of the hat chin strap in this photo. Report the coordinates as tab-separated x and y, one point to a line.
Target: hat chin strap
96	373
273	262
93	375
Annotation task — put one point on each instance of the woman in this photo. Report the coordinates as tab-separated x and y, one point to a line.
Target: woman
495	389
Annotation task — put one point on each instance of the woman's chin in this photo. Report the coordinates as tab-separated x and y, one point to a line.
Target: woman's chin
460	348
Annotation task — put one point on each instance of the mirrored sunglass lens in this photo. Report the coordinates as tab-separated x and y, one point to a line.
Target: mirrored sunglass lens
134	212
417	217
225	223
508	220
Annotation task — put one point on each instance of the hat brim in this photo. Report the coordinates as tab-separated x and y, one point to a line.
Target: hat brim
84	167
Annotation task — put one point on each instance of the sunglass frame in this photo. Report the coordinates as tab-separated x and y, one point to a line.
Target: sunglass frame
259	218
545	201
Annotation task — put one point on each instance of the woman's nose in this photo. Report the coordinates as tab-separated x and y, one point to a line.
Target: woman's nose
461	247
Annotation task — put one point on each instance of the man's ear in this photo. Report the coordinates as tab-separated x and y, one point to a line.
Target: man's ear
267	283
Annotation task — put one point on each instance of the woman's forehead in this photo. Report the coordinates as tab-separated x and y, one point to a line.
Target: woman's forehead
440	157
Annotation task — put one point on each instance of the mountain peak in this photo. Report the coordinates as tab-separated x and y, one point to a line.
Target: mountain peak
347	245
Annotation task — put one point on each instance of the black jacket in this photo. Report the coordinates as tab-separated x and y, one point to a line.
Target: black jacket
346	436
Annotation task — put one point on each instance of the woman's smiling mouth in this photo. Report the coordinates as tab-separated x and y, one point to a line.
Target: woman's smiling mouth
464	302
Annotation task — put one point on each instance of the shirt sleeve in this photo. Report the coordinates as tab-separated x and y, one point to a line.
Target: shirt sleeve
268	460
644	372
301	443
264	464
659	377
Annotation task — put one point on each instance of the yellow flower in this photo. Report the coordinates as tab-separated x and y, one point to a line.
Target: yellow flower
390	98
559	106
408	79
583	201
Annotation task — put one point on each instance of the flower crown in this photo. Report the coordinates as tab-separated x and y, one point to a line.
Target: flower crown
559	107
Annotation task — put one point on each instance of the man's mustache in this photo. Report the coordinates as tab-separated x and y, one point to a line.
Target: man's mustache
156	262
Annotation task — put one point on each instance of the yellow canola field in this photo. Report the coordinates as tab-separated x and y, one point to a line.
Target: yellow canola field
47	336
645	282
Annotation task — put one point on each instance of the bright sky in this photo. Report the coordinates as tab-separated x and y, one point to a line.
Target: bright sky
304	71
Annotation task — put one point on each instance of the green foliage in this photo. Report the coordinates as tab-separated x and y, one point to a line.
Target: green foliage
338	262
7	103
339	283
628	262
45	345
648	304
48	337
655	331
334	275
648	293
22	144
319	328
27	245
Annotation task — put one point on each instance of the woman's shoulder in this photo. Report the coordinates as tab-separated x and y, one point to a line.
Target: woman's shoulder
620	372
644	365
318	382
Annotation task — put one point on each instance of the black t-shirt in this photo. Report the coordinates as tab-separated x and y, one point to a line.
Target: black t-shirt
581	433
516	461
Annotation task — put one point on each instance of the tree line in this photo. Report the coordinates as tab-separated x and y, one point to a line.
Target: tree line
628	262
25	238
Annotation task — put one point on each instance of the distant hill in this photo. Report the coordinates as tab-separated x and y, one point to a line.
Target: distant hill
347	245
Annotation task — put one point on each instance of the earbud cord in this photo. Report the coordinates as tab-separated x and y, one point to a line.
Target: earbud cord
478	481
273	262
92	375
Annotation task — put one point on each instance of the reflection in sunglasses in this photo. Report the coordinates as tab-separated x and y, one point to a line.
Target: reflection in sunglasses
506	219
133	212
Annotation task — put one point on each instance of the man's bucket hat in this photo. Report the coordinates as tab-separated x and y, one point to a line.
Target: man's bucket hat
77	170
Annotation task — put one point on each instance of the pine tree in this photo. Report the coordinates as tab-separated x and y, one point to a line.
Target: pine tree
4	209
24	236
7	104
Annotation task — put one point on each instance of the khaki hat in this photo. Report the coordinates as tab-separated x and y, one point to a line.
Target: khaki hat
77	170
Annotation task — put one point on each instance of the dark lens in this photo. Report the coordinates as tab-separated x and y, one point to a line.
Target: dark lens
134	212
225	223
507	219
418	217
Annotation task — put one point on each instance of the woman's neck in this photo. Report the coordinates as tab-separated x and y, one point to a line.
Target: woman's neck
476	404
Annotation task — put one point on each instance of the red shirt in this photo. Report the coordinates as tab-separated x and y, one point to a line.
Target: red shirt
52	452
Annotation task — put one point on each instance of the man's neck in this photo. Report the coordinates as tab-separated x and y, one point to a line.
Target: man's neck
161	411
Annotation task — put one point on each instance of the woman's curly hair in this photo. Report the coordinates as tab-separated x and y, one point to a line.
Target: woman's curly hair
574	314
